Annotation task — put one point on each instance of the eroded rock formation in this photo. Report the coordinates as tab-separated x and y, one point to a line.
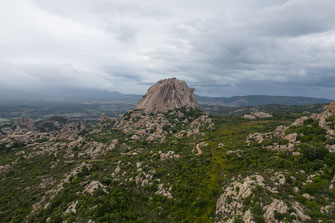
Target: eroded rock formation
166	95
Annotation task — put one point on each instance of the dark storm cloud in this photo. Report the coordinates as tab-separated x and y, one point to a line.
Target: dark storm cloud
283	47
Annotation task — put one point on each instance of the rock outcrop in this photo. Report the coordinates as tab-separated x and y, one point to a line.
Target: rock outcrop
25	123
329	110
257	114
156	127
168	108
234	205
103	117
166	95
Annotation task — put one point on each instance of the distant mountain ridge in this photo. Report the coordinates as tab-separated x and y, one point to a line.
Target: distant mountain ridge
256	100
67	95
80	94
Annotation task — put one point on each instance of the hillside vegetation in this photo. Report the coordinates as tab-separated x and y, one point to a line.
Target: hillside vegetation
102	174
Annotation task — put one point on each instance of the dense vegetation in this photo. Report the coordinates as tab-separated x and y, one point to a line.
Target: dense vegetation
195	181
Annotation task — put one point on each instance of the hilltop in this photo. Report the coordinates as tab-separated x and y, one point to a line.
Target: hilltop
167	95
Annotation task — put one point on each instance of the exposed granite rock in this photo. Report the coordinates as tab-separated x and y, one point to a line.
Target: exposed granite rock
51	194
328	209
168	155
276	205
26	123
257	114
329	110
230	204
93	186
168	108
166	95
300	212
135	138
165	192
280	131
72	208
156	127
291	137
4	168
307	196
299	121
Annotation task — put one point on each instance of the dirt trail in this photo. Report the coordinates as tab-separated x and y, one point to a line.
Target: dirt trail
198	149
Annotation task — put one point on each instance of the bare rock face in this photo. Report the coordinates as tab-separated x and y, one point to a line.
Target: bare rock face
329	110
166	95
168	108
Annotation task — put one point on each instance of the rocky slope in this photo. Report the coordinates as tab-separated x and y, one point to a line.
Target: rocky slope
291	194
168	108
129	151
177	165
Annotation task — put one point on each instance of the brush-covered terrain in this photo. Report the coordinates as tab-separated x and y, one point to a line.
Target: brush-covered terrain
205	168
168	161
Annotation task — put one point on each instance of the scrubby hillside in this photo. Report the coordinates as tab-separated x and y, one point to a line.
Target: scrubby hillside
180	165
246	170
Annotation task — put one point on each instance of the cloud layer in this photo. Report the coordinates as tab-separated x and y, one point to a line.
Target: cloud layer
223	48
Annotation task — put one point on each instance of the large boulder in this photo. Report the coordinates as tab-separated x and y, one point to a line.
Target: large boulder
166	95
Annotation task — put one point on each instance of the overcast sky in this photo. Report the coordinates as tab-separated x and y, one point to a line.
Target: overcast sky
220	47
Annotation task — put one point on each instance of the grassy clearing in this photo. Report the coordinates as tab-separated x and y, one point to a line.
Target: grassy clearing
4	120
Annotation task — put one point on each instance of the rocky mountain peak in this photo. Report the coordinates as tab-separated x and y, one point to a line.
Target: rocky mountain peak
166	95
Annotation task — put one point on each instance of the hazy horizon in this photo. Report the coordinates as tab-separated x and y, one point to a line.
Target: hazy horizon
82	94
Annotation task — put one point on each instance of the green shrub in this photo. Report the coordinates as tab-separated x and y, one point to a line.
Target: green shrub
313	152
331	119
315	187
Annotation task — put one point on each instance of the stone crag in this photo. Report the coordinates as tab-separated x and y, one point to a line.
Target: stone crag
167	105
166	95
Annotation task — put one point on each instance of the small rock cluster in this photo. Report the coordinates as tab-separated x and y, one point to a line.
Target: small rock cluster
291	139
257	114
231	204
156	127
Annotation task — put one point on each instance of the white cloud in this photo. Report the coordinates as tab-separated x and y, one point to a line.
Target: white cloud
120	45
